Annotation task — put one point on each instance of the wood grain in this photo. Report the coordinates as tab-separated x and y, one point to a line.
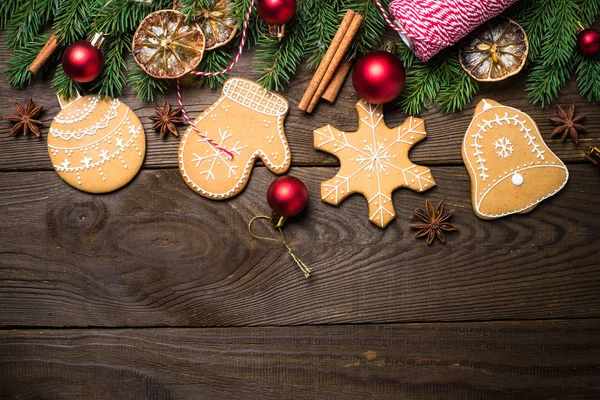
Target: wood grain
157	254
442	146
501	360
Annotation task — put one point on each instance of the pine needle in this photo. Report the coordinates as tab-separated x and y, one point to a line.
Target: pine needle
145	87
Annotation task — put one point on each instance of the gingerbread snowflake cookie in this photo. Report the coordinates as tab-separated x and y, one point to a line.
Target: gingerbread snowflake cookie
247	121
511	168
96	145
374	161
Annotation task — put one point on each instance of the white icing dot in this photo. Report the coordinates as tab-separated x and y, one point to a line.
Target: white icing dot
517	179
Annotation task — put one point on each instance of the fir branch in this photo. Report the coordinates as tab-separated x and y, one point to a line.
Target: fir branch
124	16
190	8
589	11
545	82
145	86
588	77
214	60
406	55
111	81
560	36
533	16
18	65
322	26
73	20
424	82
65	86
7	8
371	31
27	21
255	24
277	61
458	90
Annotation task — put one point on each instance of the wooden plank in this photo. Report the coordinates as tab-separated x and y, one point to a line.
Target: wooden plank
157	254
501	360
442	147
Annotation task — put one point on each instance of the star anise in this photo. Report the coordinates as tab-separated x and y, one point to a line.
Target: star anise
165	120
25	119
434	222
567	124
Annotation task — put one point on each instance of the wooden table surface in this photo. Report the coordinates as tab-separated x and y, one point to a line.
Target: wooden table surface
155	292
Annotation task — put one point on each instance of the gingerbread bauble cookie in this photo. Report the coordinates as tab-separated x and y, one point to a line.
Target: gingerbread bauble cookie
247	120
511	168
96	145
374	161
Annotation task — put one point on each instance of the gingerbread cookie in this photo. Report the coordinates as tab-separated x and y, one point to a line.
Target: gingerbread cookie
96	145
374	161
247	121
511	168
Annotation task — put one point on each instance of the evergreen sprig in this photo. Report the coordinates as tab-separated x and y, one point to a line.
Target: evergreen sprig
551	26
371	30
18	64
277	60
7	8
27	20
213	61
322	25
145	87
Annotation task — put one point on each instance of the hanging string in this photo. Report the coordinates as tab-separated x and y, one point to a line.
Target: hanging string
223	71
387	19
303	267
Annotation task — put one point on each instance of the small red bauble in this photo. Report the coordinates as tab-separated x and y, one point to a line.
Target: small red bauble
82	61
287	196
588	41
378	77
276	12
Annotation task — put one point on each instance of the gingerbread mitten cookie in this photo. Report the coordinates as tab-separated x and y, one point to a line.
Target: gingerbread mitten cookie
247	121
511	168
374	161
96	145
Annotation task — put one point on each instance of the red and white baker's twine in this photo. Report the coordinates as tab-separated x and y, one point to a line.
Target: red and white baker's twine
223	71
432	25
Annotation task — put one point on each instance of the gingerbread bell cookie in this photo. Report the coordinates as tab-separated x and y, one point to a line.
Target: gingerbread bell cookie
374	161
511	168
247	122
96	144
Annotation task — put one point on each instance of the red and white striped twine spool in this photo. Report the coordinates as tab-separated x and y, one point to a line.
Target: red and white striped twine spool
223	71
428	26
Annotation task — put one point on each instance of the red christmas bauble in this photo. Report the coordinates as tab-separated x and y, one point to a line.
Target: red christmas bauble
287	196
588	41
82	61
378	77
276	12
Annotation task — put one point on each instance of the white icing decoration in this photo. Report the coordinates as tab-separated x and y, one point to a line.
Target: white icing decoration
218	155
518	168
83	114
249	95
103	154
373	157
504	147
91	130
517	179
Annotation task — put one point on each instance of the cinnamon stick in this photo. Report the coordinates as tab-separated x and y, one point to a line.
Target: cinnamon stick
335	62
44	54
337	82
329	56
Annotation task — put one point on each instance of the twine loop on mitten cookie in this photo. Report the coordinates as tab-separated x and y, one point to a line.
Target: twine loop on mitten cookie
303	267
428	26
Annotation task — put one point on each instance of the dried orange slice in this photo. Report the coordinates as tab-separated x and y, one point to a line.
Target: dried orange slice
494	51
165	46
218	23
